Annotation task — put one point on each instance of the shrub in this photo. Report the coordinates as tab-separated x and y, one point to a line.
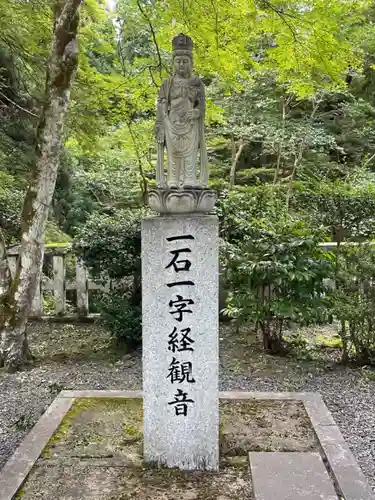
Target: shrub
122	316
276	274
353	302
110	246
346	209
10	207
237	209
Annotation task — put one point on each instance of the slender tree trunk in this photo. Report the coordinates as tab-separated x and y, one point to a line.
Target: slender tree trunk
235	159
298	158
5	277
143	183
61	69
280	146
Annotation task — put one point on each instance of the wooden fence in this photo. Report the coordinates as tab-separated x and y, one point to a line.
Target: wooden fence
56	282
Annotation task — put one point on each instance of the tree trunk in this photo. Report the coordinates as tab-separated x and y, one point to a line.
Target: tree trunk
235	159
5	277
61	69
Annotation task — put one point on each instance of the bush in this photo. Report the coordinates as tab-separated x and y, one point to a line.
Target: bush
110	246
11	199
239	207
353	303
122	316
346	209
276	275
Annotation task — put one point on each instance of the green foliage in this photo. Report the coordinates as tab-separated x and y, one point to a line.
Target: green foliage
10	207
353	302
237	209
276	275
54	234
100	181
122	316
110	247
331	342
48	303
294	86
346	208
307	48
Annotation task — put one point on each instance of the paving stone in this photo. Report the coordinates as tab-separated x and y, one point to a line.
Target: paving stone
347	472
317	410
100	394
23	459
290	476
300	396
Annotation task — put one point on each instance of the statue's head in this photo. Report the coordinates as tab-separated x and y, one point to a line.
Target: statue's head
182	49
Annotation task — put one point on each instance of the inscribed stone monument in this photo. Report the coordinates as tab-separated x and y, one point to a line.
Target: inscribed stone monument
180	348
180	284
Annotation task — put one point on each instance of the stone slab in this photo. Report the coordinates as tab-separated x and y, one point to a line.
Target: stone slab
110	393
350	479
301	396
180	274
21	462
290	476
97	393
317	410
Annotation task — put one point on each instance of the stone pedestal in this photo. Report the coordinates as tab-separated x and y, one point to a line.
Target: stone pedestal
180	341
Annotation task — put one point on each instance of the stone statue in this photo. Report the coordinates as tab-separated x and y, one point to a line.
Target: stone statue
180	121
180	118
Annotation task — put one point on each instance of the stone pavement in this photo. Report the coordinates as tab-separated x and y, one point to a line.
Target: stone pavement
290	476
76	468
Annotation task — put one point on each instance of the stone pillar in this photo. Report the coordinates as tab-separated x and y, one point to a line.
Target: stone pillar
180	341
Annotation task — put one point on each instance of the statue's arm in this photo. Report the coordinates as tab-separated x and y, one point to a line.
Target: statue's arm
202	101
200	108
202	143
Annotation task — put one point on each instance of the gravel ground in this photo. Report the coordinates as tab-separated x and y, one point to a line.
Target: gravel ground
79	357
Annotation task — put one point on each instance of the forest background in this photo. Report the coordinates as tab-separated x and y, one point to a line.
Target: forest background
291	143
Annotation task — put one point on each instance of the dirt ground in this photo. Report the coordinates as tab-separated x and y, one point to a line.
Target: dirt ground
96	453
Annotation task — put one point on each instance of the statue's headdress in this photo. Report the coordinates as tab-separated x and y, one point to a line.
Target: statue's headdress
182	45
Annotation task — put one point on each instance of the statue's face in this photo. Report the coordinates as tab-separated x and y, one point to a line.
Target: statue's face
182	65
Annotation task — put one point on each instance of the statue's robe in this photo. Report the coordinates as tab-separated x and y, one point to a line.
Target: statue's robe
183	137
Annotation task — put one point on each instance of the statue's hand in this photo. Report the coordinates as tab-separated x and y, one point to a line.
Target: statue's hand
160	136
193	114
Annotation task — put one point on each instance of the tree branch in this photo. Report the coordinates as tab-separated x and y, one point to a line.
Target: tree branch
153	36
368	160
140	166
18	106
282	15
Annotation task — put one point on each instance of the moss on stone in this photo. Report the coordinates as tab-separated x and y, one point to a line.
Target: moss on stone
131	433
20	494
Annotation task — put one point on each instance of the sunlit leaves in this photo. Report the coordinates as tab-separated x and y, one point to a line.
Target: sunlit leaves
310	44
